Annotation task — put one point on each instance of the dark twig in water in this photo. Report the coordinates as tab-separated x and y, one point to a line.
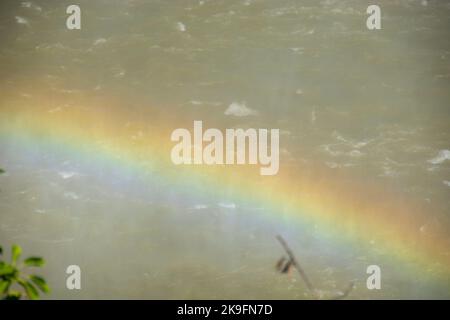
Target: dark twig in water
280	264
297	265
292	261
345	293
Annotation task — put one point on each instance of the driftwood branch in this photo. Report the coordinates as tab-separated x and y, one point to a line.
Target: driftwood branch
305	278
297	265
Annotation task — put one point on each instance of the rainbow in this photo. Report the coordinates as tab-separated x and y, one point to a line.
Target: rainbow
343	208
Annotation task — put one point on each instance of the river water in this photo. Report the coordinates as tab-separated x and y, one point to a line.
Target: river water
363	115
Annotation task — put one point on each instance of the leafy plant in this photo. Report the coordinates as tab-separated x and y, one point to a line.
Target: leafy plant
12	273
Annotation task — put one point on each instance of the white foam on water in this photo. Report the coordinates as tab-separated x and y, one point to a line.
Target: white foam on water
355	153
442	156
227	205
239	110
57	109
332	165
199	103
22	20
99	41
181	26
327	149
350	142
313	116
29	5
297	50
388	172
67	174
335	165
119	74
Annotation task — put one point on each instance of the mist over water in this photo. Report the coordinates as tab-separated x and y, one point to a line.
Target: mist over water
354	107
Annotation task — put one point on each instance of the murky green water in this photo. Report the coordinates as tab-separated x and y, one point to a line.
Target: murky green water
371	105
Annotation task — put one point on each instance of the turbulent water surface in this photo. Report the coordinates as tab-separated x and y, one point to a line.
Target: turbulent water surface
354	108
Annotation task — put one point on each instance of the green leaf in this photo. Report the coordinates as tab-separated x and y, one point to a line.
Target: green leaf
40	283
16	252
7	271
2	171
34	262
4	285
30	290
